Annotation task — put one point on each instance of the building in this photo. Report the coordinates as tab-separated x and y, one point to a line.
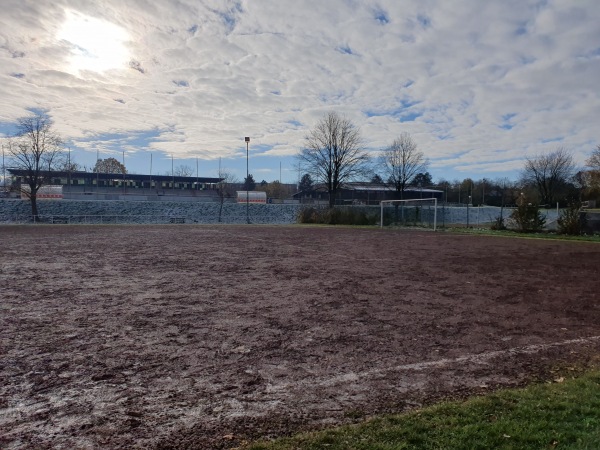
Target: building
365	194
79	185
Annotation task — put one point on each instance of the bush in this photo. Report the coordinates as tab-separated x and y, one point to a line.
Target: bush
308	215
571	220
498	224
338	216
527	218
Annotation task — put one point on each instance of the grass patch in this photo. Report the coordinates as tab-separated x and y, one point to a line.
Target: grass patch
510	233
561	415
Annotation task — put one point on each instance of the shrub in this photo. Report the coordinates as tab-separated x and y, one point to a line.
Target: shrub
338	216
527	217
307	215
498	224
571	220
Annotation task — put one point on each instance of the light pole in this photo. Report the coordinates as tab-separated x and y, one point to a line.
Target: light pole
247	139
123	173
98	173
483	192
468	211
3	171
69	174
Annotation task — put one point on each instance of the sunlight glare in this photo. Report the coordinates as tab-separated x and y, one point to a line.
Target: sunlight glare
96	45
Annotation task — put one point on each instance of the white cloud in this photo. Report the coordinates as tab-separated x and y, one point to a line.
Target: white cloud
487	83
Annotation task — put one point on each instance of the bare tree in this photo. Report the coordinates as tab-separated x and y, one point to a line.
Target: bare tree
36	150
109	165
225	188
3	169
184	170
594	160
334	154
591	178
402	161
68	166
549	173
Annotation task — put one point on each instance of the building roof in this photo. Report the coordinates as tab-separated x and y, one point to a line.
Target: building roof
117	176
384	187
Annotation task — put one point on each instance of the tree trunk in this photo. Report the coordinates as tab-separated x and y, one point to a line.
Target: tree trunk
34	209
331	199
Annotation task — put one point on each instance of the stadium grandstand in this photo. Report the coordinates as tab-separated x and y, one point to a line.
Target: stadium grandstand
79	185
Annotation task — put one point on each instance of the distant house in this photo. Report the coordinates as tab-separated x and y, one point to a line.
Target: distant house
79	185
365	194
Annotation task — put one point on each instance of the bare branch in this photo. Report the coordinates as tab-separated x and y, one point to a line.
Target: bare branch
333	154
184	170
225	188
593	161
548	173
35	150
402	161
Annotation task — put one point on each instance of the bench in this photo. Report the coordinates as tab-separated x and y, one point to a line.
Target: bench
59	219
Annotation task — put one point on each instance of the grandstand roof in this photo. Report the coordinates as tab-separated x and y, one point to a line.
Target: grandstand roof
116	176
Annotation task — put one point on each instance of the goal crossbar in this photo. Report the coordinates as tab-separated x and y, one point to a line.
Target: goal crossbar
432	199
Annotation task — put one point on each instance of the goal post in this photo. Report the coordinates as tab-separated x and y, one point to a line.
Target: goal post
422	210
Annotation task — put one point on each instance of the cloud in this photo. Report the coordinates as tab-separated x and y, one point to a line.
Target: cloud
479	85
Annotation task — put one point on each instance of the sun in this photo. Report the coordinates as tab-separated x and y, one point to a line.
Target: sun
96	45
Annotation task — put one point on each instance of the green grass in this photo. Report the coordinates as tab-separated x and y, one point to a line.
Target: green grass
516	234
562	415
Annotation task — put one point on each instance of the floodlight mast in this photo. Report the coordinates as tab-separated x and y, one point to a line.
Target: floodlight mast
4	170
247	139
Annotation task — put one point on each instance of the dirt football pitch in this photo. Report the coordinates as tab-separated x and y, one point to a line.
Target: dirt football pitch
186	336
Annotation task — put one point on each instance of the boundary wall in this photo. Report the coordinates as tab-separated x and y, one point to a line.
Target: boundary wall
99	211
75	211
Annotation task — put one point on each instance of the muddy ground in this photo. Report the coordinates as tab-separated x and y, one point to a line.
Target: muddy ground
205	336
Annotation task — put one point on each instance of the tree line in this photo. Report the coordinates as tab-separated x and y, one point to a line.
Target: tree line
334	154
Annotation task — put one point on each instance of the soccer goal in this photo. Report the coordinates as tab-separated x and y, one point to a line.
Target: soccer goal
418	212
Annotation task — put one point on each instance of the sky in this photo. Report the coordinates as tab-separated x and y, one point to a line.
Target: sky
479	85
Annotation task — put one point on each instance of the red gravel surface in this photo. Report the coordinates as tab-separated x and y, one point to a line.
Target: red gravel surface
207	336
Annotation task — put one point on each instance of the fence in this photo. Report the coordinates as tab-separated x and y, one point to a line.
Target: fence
452	215
447	216
483	216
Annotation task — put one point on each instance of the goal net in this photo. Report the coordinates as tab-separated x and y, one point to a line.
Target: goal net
420	212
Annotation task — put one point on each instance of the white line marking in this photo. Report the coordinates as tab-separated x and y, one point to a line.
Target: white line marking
479	358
